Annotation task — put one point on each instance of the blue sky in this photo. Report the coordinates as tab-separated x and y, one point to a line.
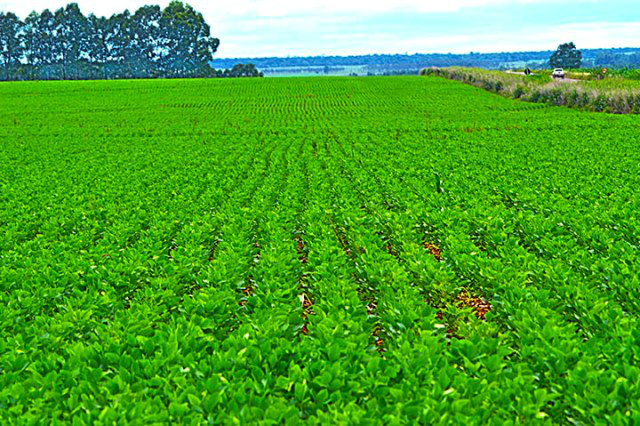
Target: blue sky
257	28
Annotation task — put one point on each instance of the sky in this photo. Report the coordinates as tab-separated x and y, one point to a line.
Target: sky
259	28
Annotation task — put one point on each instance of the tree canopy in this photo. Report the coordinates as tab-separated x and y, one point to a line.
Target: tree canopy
65	44
567	56
241	70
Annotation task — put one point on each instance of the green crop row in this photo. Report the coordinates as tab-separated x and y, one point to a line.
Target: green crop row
325	251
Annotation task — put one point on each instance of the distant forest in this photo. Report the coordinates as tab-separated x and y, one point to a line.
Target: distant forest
150	43
398	64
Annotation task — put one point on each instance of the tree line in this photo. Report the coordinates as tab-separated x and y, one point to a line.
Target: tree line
174	42
379	64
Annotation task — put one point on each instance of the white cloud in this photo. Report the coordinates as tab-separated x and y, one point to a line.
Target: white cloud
541	37
279	8
271	8
298	27
586	35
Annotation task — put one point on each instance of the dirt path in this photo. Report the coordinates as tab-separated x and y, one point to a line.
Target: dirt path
566	80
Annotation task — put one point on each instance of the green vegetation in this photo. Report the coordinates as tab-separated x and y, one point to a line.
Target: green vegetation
626	73
567	56
335	250
240	70
613	94
152	42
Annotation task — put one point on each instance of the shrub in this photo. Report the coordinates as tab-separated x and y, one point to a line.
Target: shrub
519	92
600	103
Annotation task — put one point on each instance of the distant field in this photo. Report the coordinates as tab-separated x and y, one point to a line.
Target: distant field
340	71
315	71
336	250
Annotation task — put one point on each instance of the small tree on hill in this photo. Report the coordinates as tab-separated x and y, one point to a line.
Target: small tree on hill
567	56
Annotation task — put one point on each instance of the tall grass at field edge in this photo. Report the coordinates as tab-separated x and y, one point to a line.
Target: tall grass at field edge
614	95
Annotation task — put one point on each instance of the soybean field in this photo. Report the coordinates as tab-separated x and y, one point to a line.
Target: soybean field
385	250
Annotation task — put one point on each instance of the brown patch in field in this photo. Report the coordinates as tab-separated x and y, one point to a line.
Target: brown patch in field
247	292
480	306
380	344
300	248
389	247
371	308
305	299
213	249
480	246
434	250
307	305
307	310
379	341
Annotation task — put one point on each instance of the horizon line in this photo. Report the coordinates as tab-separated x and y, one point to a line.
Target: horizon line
322	55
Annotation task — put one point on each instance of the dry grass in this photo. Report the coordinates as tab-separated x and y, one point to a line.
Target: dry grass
614	95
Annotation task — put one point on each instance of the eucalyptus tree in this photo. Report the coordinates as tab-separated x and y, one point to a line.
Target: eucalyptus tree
11	49
71	33
186	43
145	45
29	37
44	50
152	42
119	36
97	49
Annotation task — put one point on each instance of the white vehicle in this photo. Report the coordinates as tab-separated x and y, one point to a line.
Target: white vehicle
558	73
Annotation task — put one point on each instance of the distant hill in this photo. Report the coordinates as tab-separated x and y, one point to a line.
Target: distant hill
409	64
